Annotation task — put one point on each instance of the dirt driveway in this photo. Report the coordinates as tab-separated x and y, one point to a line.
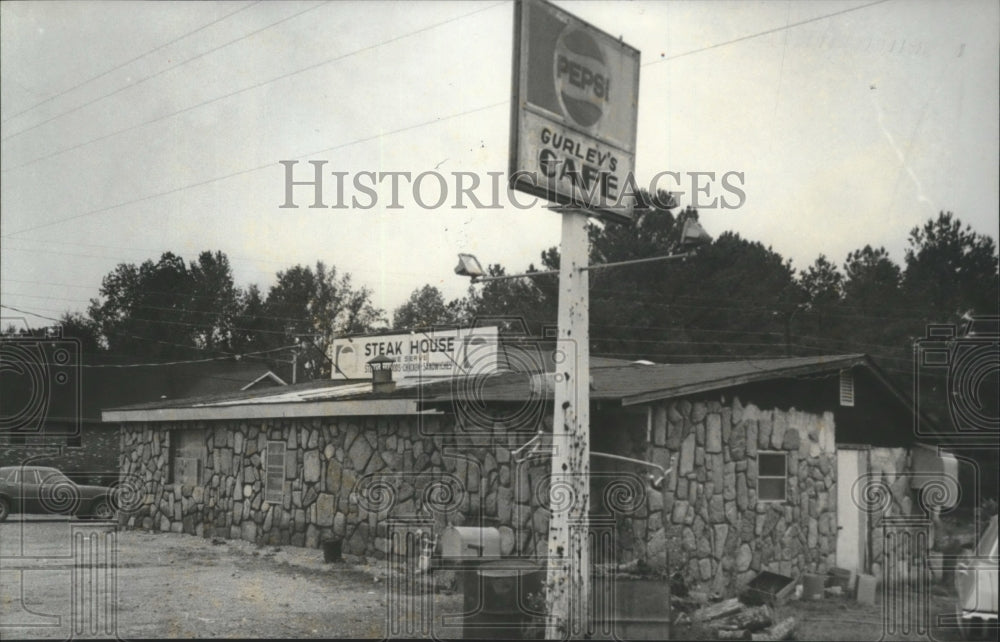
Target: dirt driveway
68	578
63	577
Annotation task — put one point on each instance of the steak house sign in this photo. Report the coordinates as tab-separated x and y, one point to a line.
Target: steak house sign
434	353
573	113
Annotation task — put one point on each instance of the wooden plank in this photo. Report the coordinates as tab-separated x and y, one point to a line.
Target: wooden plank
753	619
717	610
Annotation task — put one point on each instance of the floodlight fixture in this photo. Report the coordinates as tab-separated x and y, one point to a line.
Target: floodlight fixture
693	235
468	265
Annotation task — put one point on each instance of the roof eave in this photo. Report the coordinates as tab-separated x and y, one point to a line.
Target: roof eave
750	377
291	410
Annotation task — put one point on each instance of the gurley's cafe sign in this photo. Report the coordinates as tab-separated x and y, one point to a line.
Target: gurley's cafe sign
573	115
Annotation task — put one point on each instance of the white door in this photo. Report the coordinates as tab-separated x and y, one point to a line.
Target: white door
851	523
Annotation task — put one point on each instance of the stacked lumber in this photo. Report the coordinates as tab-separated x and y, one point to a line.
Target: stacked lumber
732	620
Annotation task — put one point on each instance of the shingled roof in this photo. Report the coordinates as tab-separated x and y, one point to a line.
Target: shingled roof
635	383
627	383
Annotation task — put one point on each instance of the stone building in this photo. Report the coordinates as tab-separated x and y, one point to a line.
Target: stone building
784	464
59	424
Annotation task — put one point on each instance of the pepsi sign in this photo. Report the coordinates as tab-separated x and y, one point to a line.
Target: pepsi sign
573	113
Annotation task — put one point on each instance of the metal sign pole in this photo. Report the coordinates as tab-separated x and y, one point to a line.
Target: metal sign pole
568	581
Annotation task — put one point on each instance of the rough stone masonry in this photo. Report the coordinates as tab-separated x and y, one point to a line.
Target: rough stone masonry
368	481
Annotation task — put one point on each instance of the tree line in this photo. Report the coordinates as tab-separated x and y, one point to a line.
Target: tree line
734	299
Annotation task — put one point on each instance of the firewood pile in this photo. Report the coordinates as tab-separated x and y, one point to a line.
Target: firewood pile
733	620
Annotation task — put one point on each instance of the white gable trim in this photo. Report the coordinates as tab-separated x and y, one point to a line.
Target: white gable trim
267	375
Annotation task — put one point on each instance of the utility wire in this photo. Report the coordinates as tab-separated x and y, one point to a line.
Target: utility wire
203	326
763	33
691	330
432	121
161	363
160	251
161	308
251	87
129	62
163	71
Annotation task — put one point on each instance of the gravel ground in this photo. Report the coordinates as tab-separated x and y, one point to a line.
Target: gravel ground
179	586
168	585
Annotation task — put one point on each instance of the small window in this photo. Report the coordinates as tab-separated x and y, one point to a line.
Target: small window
847	388
772	475
188	453
275	472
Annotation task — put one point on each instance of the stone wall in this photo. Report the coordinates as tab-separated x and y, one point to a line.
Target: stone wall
353	478
707	518
345	478
886	492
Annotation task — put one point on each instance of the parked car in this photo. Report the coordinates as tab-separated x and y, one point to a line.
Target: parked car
41	490
976	582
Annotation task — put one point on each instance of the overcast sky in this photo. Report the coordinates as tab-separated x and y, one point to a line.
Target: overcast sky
130	129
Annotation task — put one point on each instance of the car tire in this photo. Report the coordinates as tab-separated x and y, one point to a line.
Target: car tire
4	509
102	510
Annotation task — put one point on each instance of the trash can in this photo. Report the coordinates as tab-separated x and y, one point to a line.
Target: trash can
331	551
812	586
504	600
641	611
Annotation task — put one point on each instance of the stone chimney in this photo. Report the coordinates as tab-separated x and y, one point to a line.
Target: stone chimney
381	368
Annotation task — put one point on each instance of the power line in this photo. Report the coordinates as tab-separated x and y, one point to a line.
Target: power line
763	33
205	326
163	71
251	87
692	330
684	329
163	309
113	332
209	181
129	62
244	259
169	363
777	344
650	301
179	345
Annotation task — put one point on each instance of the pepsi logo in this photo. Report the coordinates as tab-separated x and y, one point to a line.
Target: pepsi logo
583	84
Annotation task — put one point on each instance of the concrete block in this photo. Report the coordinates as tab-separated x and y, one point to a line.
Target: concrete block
866	588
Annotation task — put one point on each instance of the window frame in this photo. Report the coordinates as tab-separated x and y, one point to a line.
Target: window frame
183	441
274	495
783	477
34	478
